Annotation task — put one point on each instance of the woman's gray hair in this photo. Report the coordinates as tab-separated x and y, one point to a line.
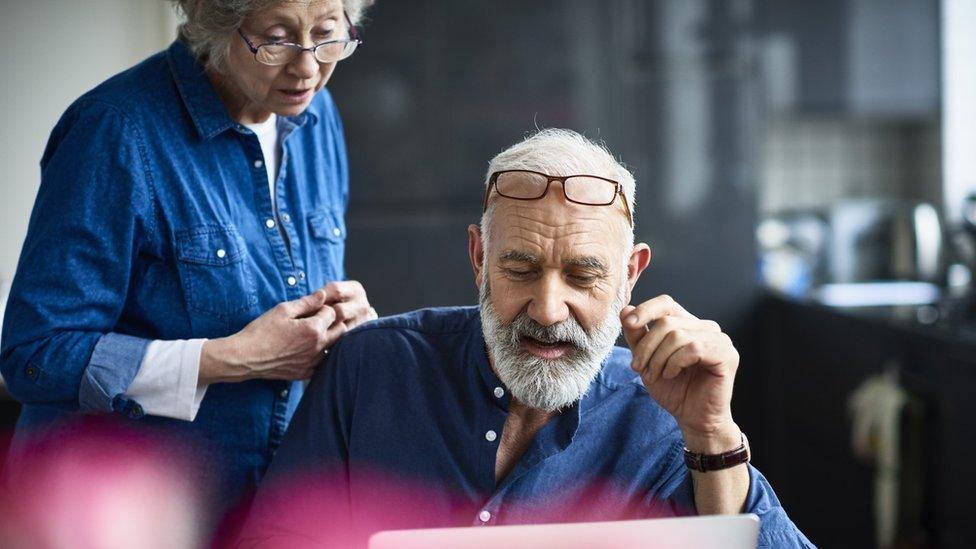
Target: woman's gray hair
209	26
560	152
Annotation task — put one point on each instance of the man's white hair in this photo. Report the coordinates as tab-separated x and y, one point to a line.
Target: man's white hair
557	151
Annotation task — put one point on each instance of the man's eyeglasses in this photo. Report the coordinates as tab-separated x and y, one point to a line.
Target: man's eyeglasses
282	53
589	190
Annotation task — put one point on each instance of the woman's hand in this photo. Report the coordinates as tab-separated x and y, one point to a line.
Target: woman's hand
287	341
348	299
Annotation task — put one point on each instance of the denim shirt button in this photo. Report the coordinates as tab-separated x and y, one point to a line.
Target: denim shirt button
301	275
221	253
31	372
258	163
284	393
286	218
269	223
291	281
484	516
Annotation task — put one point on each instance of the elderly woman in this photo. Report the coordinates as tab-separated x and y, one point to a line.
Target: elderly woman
183	267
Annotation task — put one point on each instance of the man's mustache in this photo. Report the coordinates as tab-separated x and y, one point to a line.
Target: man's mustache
568	331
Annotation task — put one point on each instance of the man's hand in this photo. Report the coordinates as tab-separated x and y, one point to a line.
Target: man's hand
286	342
688	366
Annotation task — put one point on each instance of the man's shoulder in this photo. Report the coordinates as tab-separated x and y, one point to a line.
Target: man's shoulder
432	338
616	372
618	381
430	322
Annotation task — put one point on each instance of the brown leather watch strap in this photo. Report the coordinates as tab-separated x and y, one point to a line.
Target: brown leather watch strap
716	462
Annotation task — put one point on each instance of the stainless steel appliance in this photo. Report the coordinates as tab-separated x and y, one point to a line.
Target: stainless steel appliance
882	239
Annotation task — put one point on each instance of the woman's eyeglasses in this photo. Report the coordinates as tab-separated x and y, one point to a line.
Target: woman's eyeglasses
282	53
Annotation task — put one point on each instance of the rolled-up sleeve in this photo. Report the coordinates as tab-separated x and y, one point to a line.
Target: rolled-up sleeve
776	529
92	215
110	372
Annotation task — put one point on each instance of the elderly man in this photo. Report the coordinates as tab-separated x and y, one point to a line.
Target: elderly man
523	410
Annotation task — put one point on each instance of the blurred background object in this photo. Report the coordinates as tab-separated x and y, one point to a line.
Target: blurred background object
443	85
788	154
100	484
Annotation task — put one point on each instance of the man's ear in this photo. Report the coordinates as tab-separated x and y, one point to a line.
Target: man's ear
476	253
640	258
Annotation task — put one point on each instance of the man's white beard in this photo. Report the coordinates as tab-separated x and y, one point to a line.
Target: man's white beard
541	383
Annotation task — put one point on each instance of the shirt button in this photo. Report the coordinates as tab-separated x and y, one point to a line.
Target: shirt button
31	372
336	231
499	392
484	516
291	281
490	436
284	393
221	253
301	275
269	223
286	218
258	163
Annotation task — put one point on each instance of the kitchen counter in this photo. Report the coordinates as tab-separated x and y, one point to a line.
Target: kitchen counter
925	321
811	359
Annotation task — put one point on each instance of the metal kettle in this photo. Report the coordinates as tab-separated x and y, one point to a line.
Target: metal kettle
884	239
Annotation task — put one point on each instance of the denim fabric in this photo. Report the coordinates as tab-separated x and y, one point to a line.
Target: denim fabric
153	221
413	400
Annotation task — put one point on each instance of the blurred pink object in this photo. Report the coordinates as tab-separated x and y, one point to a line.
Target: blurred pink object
314	510
99	485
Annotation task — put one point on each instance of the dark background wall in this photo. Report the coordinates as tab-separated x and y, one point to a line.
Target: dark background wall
443	85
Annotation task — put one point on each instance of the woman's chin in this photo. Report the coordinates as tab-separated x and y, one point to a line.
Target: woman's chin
291	110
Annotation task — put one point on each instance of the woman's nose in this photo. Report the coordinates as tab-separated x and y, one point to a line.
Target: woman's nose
304	66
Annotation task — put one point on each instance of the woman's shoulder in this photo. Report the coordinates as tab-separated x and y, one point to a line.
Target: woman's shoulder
129	92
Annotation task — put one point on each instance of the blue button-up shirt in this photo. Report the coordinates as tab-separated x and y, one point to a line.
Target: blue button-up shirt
153	221
413	398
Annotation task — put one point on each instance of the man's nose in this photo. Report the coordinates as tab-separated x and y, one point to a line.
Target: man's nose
548	305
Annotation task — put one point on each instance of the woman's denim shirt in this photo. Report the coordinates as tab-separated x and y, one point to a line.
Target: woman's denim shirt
153	221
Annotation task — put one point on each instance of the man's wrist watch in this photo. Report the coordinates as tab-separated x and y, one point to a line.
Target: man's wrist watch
716	462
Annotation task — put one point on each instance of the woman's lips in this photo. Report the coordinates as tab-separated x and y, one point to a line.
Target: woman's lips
296	96
550	351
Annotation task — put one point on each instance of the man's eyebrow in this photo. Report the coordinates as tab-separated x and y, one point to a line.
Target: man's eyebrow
515	255
587	262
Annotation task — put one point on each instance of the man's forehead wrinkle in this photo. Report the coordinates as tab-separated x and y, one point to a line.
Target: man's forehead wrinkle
549	228
543	210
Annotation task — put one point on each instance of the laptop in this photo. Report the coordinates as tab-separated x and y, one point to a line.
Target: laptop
727	532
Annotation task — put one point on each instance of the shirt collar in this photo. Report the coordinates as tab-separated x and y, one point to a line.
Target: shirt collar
208	112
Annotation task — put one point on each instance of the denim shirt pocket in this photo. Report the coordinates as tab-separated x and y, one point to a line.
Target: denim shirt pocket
328	230
215	277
